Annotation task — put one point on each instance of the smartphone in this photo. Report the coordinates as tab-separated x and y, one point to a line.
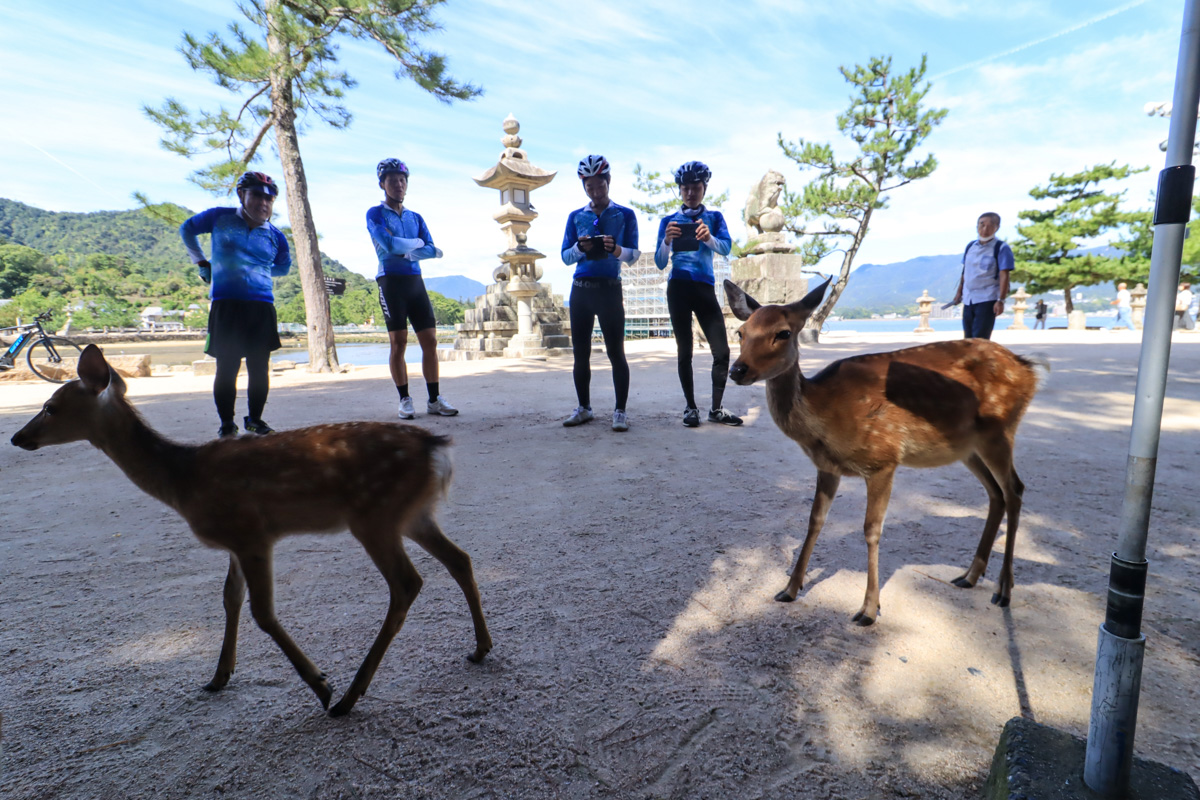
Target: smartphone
594	247
687	240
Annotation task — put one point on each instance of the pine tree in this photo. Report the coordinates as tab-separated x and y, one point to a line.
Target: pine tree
284	63
887	122
1049	253
662	195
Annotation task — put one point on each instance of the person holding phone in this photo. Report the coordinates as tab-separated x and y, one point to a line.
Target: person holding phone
687	240
599	238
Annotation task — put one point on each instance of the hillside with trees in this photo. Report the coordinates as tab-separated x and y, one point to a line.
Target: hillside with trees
109	265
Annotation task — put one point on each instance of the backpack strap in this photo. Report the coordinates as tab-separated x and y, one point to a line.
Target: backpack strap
996	258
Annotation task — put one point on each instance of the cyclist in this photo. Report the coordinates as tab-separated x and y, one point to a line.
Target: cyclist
599	238
401	241
690	288
247	252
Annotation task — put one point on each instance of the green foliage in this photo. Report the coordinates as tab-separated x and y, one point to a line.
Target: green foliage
887	123
1048	253
18	266
29	304
445	310
355	307
655	186
304	72
291	311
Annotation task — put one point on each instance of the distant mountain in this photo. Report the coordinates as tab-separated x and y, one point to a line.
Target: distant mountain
456	287
888	287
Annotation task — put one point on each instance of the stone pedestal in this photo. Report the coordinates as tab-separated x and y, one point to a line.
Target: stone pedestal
1019	309
769	242
1137	302
1077	321
488	329
771	278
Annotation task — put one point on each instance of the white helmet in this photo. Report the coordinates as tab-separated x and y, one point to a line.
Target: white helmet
593	165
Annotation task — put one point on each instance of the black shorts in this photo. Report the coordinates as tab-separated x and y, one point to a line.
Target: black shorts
240	328
403	298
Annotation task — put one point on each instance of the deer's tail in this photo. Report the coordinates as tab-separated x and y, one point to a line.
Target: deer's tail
441	464
1040	364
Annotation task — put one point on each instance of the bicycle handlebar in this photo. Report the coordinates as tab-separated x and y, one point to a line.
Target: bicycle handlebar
44	316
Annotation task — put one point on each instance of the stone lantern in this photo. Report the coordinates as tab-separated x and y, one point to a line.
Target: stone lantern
487	330
1138	303
1019	309
924	306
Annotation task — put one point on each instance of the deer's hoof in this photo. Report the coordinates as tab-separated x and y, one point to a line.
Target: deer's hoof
477	657
962	582
998	600
217	683
321	687
343	706
784	597
863	619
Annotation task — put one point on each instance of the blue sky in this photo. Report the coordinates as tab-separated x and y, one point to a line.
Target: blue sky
1032	88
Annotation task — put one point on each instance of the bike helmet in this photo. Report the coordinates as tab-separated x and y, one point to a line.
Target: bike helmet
692	172
593	165
390	165
258	182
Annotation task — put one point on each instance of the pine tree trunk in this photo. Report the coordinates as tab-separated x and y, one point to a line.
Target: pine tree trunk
322	353
1067	295
812	328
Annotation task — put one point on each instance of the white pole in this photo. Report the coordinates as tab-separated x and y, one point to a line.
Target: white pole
1121	646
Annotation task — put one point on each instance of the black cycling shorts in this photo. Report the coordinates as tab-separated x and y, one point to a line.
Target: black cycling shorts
403	298
240	328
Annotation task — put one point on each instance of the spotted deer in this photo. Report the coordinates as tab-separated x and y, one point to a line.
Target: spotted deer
380	480
864	416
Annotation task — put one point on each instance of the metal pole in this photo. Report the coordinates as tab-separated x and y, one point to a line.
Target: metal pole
1121	645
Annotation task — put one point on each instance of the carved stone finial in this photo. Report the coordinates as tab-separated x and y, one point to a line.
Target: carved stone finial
511	141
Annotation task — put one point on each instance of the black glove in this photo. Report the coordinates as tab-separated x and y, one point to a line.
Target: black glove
205	270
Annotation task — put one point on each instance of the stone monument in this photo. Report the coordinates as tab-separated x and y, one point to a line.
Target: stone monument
924	307
771	272
517	317
1019	309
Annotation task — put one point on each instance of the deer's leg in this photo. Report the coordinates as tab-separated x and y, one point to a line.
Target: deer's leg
999	461
827	485
386	548
879	493
430	536
235	595
260	580
990	528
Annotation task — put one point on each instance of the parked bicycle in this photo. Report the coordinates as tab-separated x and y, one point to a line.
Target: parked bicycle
51	358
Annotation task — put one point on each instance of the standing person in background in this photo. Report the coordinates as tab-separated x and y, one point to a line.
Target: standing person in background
599	238
1124	304
247	252
1183	303
691	286
401	241
983	286
1039	315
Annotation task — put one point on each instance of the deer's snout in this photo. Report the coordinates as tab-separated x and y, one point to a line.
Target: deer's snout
24	441
738	373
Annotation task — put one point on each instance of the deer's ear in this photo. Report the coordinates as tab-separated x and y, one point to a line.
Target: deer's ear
741	304
805	306
93	369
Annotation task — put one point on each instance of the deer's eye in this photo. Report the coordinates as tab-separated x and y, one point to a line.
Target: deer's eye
739	334
783	336
48	410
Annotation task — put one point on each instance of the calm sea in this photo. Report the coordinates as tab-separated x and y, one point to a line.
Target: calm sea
360	354
907	325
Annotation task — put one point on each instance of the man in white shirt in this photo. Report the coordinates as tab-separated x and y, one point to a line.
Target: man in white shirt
987	262
1124	304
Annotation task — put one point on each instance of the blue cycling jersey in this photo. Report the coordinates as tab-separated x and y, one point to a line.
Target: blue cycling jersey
244	259
401	240
616	221
694	265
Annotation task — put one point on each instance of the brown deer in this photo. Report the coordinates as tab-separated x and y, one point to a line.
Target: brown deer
380	480
924	406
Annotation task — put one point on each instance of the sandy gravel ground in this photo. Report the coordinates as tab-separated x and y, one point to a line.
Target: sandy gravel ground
628	582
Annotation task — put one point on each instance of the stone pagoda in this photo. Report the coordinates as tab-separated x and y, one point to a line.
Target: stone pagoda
517	317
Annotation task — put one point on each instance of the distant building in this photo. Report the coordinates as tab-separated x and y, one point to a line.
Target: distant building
644	287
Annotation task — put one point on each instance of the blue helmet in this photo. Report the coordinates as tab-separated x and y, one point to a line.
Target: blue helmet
390	165
258	182
693	172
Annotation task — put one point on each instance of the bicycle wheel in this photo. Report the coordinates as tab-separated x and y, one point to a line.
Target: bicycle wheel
54	359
